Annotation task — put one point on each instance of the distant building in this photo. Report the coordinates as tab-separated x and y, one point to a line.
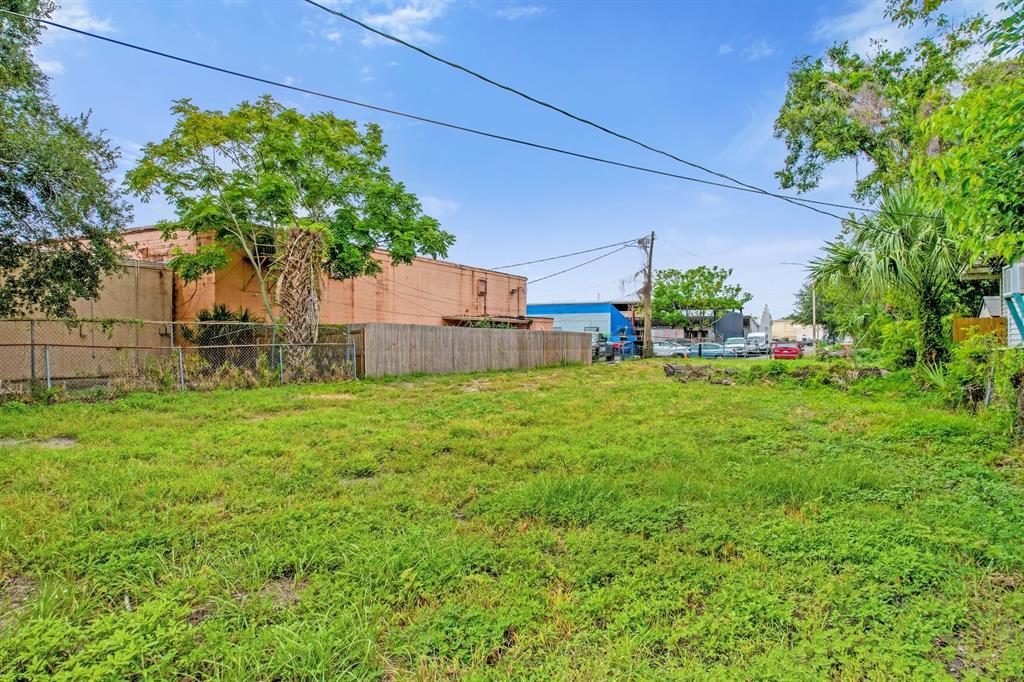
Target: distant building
614	318
787	329
991	306
426	291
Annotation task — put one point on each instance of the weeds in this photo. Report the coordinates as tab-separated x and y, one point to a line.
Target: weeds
591	523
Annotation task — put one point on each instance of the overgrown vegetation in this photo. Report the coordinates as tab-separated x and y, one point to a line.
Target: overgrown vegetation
940	124
596	523
60	212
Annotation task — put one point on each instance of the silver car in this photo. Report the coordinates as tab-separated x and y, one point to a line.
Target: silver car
668	349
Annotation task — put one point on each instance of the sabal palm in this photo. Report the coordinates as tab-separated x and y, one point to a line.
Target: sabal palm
906	251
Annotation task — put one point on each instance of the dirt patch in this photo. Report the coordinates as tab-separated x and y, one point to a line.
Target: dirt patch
475	386
331	396
957	663
199	614
283	592
57	443
15	593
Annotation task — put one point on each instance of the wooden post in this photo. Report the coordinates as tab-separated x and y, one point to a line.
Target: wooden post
648	350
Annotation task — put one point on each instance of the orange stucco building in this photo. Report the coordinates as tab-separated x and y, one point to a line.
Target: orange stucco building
425	291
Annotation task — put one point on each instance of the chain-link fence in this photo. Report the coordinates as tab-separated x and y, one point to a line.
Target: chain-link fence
124	356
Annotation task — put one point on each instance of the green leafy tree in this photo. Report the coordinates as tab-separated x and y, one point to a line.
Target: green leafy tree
693	299
971	159
60	213
841	311
903	255
851	107
300	196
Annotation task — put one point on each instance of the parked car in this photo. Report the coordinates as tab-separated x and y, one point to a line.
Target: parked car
709	350
787	351
757	343
668	349
737	344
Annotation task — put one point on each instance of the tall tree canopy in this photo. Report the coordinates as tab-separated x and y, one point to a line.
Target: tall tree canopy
693	299
315	188
60	213
847	106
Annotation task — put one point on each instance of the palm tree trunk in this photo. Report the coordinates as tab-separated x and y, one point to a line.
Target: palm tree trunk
298	294
934	349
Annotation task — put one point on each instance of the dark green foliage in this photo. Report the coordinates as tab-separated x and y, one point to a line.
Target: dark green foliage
60	213
693	299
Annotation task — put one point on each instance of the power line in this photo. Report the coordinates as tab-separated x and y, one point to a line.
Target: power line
565	255
437	122
455	126
588	122
603	255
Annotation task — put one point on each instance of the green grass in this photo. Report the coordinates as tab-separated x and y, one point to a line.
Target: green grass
583	523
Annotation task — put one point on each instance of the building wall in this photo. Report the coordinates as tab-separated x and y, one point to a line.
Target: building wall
423	292
578	316
786	329
1013	337
142	291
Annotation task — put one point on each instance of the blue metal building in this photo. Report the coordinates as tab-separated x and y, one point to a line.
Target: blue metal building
602	316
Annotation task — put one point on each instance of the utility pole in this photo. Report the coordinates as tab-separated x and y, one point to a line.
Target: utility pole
648	285
814	313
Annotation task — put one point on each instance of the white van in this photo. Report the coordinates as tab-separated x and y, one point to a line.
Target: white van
757	343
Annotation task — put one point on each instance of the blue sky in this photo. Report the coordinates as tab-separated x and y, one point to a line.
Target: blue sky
703	80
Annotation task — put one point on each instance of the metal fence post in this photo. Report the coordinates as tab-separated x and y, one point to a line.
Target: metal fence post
46	358
280	362
32	347
181	370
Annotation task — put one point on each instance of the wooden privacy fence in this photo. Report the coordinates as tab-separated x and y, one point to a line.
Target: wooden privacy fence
396	349
963	327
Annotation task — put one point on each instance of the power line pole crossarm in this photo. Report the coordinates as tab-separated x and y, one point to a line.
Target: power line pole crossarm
648	285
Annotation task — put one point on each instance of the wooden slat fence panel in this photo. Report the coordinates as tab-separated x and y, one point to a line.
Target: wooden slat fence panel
965	326
397	349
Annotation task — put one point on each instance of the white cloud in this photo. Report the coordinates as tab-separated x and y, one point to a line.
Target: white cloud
861	27
333	35
437	207
367	74
750	142
76	14
51	67
408	22
867	24
290	80
516	12
759	49
726	48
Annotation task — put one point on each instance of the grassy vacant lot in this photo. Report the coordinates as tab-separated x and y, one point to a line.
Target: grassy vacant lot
582	523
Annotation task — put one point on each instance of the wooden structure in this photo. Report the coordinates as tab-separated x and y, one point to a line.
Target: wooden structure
965	327
397	349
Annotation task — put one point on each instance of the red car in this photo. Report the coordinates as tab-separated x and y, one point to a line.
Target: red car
787	351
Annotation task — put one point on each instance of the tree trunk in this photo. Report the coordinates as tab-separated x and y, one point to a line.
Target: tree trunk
298	296
934	349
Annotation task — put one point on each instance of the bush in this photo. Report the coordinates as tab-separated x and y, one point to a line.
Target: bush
901	343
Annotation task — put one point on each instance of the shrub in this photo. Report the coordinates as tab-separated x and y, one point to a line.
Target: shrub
901	345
